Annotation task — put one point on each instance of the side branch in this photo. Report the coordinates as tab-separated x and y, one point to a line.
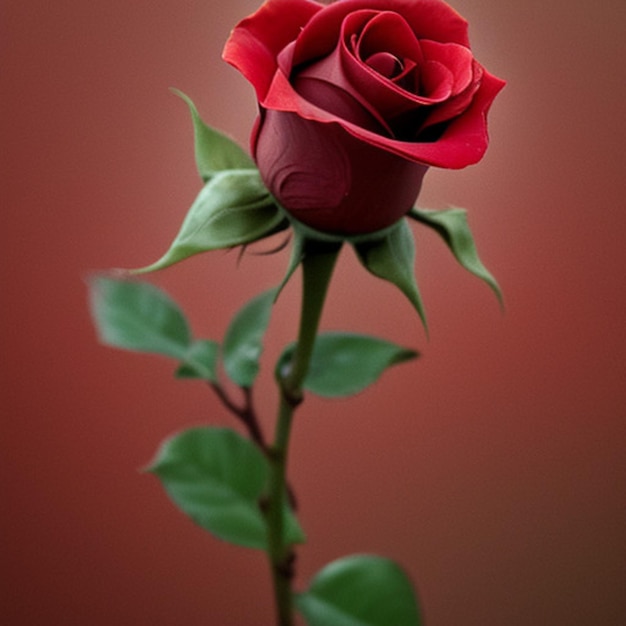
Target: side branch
246	414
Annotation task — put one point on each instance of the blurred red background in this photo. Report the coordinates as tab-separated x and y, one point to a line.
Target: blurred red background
493	468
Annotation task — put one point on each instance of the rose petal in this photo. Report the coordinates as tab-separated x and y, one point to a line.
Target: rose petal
385	64
305	167
385	31
463	142
388	97
321	34
341	103
458	147
456	105
325	84
256	41
331	181
436	81
458	60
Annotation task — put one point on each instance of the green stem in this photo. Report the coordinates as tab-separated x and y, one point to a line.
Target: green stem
317	267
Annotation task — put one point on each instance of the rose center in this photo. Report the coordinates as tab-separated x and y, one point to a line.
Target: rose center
386	64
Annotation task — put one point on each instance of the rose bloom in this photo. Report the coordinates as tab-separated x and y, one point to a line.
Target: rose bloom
357	99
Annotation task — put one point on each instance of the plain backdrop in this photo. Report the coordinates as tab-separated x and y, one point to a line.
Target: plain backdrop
493	468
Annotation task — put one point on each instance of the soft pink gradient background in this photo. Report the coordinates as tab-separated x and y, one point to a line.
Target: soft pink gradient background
493	468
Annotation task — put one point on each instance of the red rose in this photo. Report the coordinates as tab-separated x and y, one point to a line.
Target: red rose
357	99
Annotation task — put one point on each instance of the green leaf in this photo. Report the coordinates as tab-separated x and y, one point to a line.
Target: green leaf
234	208
392	258
138	316
452	226
344	364
217	477
243	342
200	361
214	150
360	590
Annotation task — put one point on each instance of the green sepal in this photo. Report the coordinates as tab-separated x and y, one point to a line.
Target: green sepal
452	226
306	241
214	150
360	590
218	478
344	364
243	342
392	257
234	208
200	361
138	316
297	254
